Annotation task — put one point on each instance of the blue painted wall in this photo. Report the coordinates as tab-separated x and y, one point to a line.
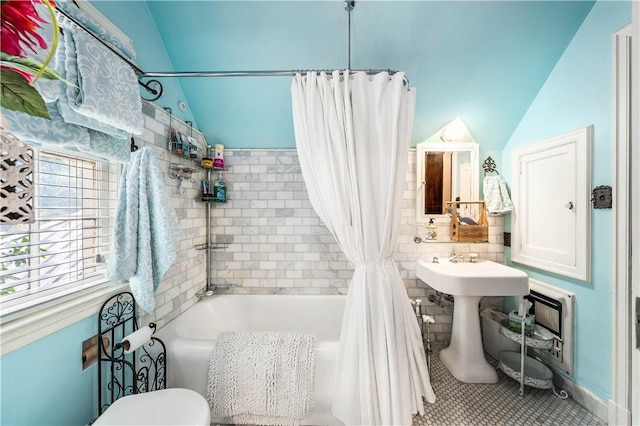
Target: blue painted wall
579	92
43	383
134	19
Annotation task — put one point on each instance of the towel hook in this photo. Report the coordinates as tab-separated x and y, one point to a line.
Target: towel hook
489	166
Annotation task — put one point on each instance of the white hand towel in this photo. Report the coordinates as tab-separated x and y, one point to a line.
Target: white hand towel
496	197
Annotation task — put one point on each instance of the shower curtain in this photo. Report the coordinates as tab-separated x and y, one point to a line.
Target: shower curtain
352	135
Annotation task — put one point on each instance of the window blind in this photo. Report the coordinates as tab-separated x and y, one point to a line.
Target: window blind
66	248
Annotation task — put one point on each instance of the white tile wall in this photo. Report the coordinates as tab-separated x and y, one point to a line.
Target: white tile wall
177	290
276	244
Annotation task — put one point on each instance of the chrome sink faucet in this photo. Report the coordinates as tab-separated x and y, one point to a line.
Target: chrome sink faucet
455	257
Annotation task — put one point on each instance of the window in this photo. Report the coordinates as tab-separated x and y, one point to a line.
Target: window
65	249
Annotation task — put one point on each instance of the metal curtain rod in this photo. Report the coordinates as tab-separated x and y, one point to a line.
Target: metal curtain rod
252	73
155	89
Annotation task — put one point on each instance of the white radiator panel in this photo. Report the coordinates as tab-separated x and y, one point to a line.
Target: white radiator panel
561	356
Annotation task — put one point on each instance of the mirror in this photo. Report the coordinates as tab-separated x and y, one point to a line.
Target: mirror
445	171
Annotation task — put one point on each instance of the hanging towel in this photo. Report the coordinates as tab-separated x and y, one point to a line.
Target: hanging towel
122	45
263	378
146	232
105	88
58	133
496	196
38	131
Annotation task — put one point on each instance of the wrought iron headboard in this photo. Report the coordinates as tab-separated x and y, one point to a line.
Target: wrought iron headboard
121	374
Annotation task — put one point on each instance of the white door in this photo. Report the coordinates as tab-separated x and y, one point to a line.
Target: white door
624	405
635	206
551	225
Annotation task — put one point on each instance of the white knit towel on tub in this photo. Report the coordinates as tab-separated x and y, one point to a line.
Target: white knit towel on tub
262	378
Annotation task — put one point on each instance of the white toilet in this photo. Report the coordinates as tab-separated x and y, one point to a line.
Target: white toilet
120	371
162	407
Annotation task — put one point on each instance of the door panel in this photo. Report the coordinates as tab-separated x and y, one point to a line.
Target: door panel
551	223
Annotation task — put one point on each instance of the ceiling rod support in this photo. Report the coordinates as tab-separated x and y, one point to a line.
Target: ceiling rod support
348	6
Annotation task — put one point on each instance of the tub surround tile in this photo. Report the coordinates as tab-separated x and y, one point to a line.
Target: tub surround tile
177	290
276	242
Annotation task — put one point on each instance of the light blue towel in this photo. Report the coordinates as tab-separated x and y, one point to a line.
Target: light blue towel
146	232
104	95
123	46
36	131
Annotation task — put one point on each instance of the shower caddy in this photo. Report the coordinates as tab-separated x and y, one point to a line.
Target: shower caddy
185	172
513	364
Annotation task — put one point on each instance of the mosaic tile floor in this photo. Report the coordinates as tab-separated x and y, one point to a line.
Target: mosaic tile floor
460	403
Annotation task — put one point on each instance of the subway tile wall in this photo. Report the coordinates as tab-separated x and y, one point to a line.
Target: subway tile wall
275	243
187	275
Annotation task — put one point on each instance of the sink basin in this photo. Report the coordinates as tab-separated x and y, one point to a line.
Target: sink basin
484	278
468	282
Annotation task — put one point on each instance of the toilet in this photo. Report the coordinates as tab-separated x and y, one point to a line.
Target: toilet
122	371
173	406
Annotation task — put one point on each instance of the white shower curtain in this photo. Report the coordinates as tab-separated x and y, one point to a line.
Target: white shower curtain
352	134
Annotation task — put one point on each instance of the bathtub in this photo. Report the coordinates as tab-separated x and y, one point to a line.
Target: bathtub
191	337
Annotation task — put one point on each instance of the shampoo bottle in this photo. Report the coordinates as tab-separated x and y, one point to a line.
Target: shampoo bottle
219	190
431	231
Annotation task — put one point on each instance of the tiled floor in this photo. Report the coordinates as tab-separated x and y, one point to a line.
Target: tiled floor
460	403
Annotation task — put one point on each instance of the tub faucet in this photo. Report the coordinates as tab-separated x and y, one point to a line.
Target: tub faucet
211	290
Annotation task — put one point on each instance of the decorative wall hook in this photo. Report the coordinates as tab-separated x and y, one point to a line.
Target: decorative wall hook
489	166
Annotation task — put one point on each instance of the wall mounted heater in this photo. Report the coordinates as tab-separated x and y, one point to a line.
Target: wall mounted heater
554	310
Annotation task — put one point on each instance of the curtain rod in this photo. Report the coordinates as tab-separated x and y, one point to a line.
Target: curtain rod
155	89
254	73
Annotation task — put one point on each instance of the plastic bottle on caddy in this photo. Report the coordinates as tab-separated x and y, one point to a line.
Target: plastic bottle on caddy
219	189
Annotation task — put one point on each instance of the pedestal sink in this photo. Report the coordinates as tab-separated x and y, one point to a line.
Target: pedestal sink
468	283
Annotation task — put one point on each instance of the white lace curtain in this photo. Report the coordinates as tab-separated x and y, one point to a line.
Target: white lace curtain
352	134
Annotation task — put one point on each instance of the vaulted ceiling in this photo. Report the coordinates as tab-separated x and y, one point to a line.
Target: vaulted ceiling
483	61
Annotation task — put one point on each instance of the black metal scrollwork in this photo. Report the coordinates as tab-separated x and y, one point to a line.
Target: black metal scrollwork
120	373
489	166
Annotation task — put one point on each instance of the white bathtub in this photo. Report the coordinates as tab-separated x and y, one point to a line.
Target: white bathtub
191	337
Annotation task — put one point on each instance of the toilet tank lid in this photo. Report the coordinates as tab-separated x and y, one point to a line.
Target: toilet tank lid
174	406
